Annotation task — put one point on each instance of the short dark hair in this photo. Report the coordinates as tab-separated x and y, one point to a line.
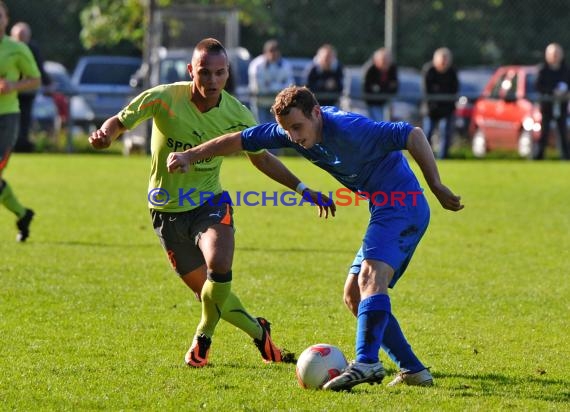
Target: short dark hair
210	45
294	97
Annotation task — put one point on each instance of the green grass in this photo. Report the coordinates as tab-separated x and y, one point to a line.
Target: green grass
93	318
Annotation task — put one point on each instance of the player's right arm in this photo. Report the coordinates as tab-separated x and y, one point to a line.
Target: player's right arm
111	129
220	146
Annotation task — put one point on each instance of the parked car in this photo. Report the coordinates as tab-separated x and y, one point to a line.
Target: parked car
239	62
407	102
300	66
53	104
472	81
507	116
71	106
104	82
45	116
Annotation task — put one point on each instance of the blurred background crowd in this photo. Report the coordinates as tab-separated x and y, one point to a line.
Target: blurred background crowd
480	76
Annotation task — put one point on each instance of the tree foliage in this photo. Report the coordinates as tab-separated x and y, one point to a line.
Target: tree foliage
109	22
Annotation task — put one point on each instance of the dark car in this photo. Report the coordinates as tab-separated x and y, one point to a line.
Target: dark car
300	66
104	82
507	116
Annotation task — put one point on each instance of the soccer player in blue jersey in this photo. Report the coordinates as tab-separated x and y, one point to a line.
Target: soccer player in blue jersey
365	156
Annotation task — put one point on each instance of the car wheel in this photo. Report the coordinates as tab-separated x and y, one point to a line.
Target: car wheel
525	144
479	144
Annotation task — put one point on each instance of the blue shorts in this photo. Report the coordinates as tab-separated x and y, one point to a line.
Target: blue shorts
392	235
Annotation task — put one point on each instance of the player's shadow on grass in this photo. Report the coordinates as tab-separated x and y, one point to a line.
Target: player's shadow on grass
82	243
265	249
493	384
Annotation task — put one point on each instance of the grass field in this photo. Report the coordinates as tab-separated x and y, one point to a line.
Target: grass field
93	318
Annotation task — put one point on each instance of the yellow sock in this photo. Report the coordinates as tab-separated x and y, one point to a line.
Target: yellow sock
8	199
214	295
236	314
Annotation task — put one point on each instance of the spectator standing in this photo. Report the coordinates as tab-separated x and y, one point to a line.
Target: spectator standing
380	79
268	74
552	83
325	76
439	79
22	32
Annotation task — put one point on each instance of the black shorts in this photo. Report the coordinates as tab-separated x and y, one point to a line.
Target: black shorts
180	232
9	125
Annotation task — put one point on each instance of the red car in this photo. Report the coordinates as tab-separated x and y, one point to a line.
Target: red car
506	117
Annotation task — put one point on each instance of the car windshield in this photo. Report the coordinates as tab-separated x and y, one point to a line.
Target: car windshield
471	88
104	73
530	89
472	82
61	81
174	70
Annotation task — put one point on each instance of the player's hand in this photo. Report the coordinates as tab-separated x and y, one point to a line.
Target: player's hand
322	201
178	162
5	86
447	199
99	139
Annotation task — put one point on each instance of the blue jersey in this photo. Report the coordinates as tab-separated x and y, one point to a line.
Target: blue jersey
362	154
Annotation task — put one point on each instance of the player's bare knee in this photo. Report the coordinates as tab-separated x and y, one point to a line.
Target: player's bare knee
219	264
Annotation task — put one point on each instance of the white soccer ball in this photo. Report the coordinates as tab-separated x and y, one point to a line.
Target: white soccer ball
318	364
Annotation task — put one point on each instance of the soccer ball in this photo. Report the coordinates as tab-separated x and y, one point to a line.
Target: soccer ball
318	364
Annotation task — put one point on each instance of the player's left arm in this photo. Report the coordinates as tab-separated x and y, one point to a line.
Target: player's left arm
21	85
421	151
271	166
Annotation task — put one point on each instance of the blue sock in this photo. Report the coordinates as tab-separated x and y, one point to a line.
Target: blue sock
398	348
373	315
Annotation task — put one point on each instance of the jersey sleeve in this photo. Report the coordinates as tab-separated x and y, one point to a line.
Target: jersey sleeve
28	66
264	136
140	108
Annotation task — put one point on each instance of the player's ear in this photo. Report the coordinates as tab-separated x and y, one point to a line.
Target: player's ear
189	67
316	111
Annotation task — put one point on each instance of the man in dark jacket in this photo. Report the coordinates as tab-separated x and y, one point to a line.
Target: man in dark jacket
325	76
552	83
440	85
380	79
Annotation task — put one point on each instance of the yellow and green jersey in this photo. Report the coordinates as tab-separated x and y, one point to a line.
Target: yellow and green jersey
16	61
178	125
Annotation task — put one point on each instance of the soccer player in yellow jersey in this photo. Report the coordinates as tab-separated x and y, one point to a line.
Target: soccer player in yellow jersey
198	235
18	72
